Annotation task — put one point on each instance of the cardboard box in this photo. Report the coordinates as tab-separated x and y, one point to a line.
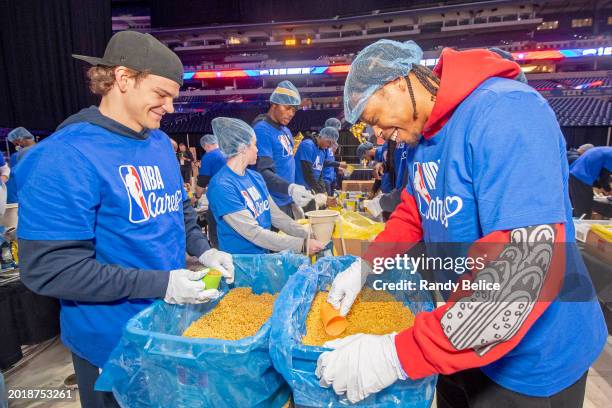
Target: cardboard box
355	247
357	185
599	247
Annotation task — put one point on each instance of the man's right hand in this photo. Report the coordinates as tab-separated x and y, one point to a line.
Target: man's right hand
300	195
347	285
185	286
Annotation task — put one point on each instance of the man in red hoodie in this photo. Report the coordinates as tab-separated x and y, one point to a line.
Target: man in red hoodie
489	168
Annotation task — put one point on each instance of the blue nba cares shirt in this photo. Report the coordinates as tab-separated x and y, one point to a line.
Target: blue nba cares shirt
310	152
276	142
475	177
87	183
228	193
212	162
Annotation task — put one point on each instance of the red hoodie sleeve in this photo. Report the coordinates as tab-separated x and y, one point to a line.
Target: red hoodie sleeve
403	229
476	327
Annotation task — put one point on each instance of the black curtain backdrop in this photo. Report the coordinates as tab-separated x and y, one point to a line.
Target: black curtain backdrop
40	83
176	13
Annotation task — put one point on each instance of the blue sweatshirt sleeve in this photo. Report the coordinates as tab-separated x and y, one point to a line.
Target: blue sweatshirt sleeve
67	269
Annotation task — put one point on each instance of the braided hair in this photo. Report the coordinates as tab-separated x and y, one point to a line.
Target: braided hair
427	79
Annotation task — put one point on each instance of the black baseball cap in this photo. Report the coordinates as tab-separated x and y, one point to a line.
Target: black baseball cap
140	52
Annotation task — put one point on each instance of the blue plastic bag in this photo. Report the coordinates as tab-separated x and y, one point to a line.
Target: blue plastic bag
154	366
297	362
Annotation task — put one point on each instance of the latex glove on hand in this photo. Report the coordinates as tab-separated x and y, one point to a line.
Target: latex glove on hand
219	260
300	195
347	285
185	286
360	365
373	206
320	200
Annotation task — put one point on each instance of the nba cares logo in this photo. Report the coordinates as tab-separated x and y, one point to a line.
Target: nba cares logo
139	210
146	193
425	179
286	143
433	206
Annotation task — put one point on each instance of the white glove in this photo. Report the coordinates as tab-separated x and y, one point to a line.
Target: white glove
185	286
347	285
300	195
219	260
298	212
360	365
320	200
373	206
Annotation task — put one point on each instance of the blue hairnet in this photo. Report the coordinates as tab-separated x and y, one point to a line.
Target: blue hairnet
18	134
363	148
233	135
208	139
286	94
329	133
377	64
506	55
333	122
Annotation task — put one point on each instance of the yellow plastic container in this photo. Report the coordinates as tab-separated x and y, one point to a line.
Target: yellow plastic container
604	231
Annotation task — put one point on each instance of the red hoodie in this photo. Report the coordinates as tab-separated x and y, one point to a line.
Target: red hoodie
424	349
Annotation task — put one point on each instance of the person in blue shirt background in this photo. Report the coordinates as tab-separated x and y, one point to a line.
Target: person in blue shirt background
106	228
331	173
311	157
212	162
241	203
365	152
275	159
592	167
23	141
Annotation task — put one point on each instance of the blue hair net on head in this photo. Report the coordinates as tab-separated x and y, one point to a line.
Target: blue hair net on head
19	133
333	122
363	148
233	134
377	64
329	133
286	94
506	55
208	139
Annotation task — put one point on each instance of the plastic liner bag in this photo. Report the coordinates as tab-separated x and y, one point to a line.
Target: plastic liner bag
154	366
352	225
297	362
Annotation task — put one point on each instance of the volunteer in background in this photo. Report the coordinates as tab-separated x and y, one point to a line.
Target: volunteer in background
574	154
185	158
383	170
275	159
477	124
212	162
106	228
311	158
23	141
331	173
242	206
366	151
593	167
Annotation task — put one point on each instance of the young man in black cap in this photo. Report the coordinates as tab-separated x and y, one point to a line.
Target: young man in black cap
117	222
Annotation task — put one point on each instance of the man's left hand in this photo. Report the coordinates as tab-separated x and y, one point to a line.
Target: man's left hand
360	365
